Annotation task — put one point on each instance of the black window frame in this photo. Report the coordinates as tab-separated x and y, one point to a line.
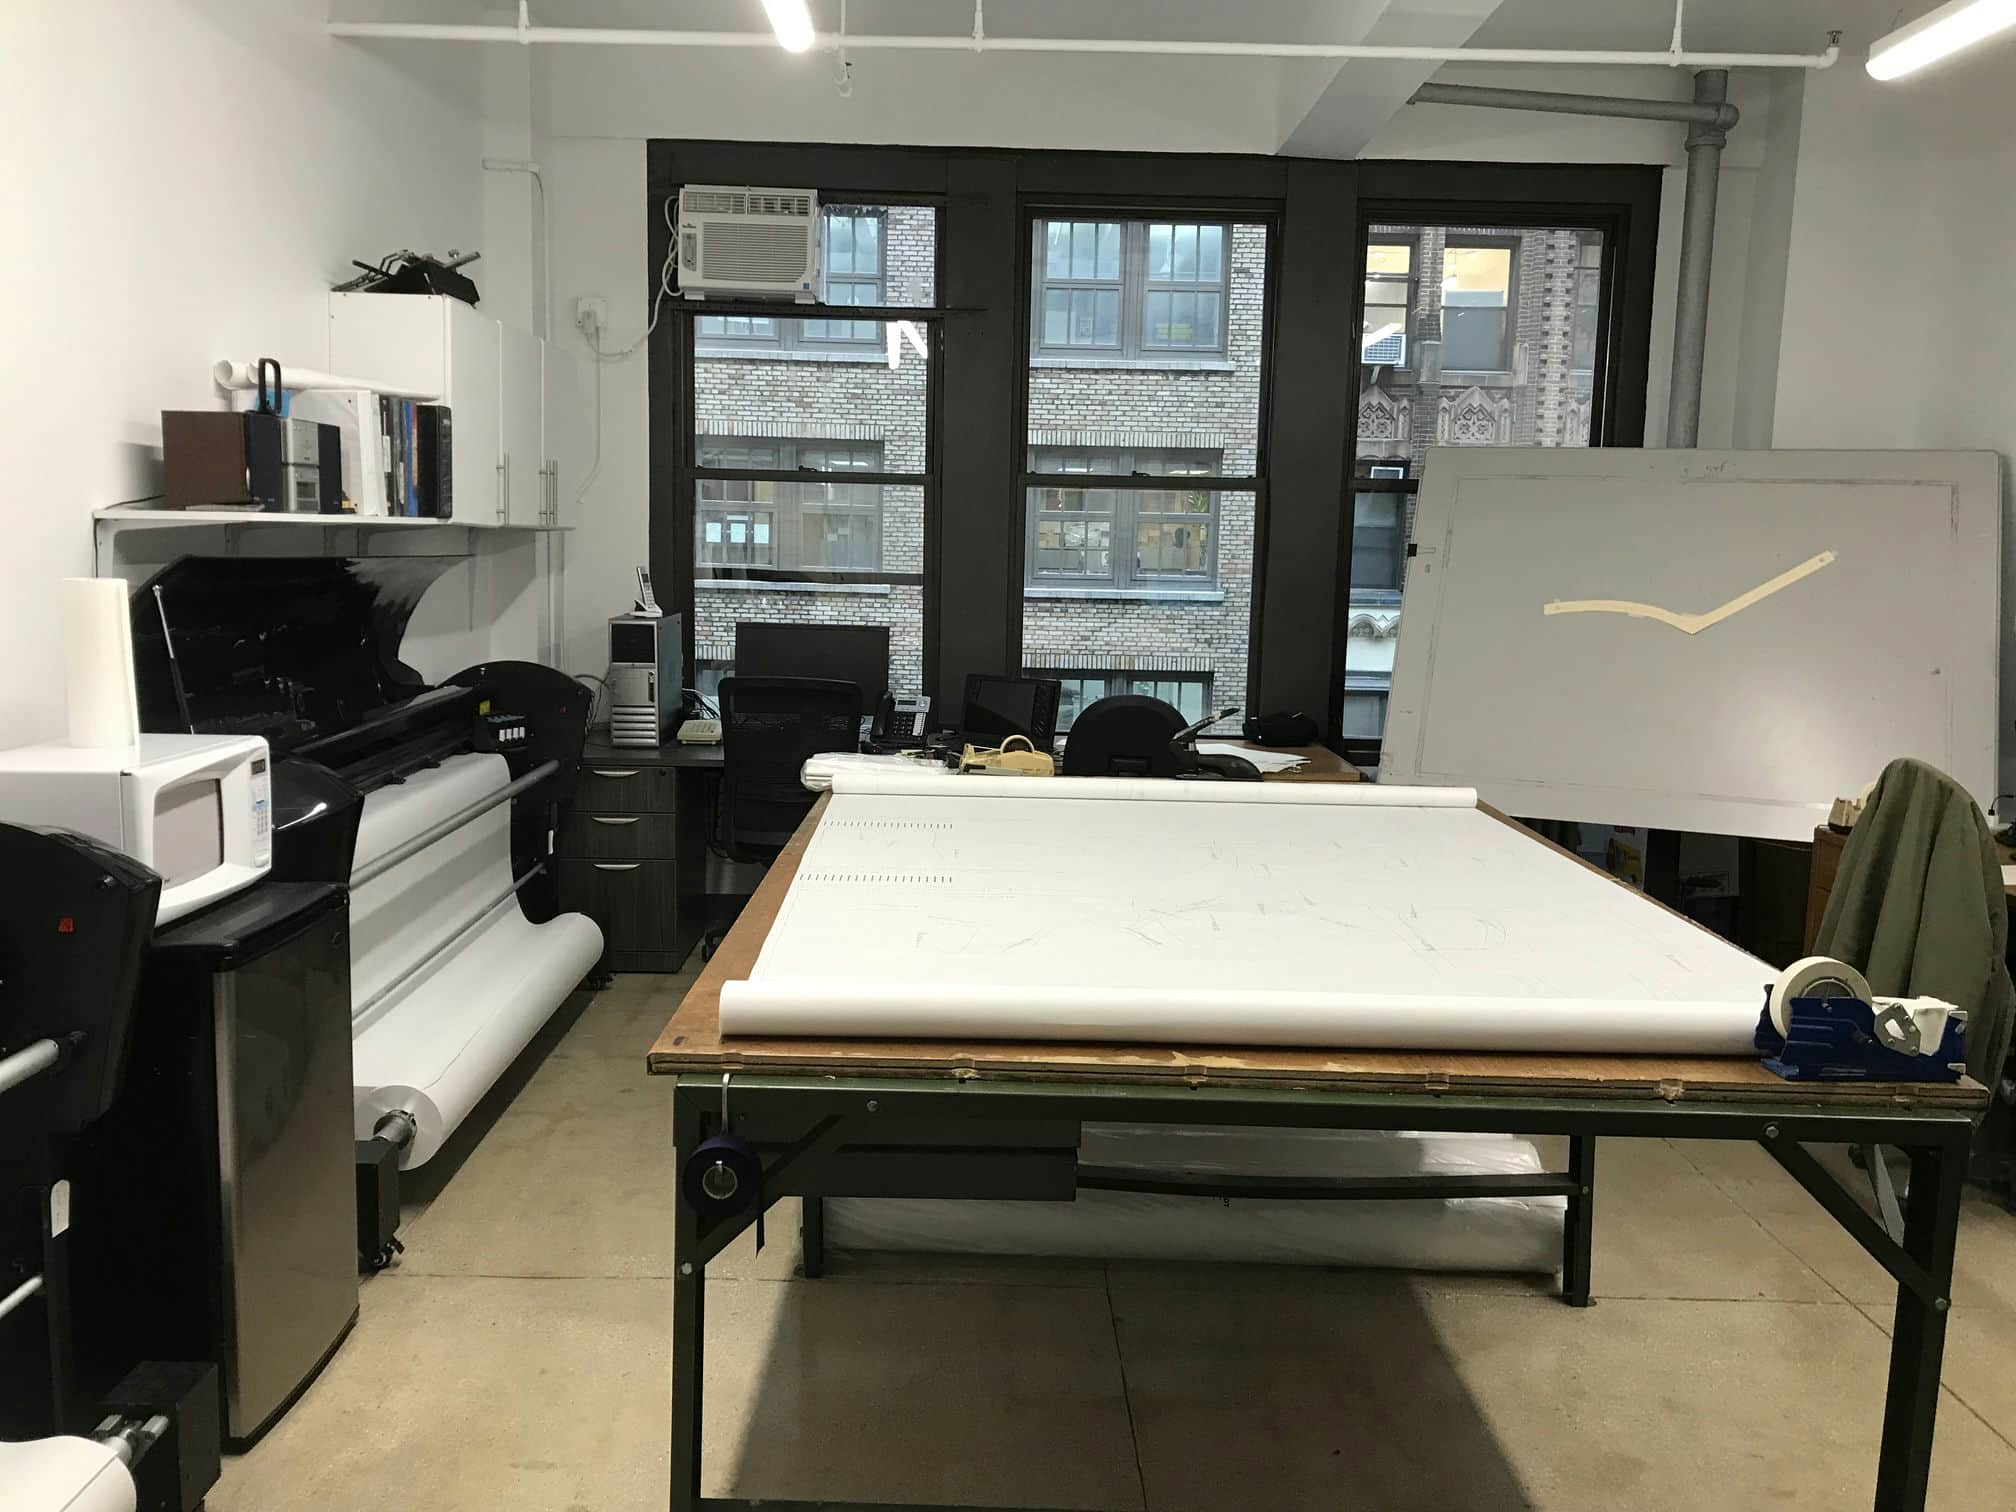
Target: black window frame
1508	334
794	333
1134	285
1130	503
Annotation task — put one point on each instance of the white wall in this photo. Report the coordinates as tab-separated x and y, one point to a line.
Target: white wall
183	180
1900	312
599	247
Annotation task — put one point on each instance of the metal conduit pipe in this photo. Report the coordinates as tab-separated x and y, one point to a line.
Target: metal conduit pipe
626	36
1723	116
1697	250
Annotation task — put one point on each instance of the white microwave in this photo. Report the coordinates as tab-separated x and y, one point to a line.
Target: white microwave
198	809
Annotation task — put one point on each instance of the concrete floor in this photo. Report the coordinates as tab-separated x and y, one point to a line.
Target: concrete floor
516	1359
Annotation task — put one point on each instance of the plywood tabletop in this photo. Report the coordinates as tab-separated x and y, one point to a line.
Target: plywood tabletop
692	1042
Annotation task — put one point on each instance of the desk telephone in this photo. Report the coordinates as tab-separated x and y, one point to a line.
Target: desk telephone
902	717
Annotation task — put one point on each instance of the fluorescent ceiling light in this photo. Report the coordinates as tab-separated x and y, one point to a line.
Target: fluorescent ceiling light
792	21
1938	34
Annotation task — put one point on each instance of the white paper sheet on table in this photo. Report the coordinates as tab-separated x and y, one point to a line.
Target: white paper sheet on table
1289	913
1265	761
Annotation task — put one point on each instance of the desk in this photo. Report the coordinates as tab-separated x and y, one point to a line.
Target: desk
916	1119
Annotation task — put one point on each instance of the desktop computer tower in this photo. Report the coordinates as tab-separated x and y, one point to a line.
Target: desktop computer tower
646	678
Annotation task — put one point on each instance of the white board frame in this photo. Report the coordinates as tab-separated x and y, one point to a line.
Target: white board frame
1949	658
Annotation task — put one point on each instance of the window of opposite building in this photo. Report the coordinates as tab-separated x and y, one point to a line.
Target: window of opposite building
1121	537
820	526
1131	290
1389	304
1522	324
1477	283
1190	692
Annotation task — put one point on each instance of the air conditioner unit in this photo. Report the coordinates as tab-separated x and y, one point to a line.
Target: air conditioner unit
749	242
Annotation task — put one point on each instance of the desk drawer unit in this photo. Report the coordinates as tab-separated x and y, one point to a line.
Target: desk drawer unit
618	837
630	853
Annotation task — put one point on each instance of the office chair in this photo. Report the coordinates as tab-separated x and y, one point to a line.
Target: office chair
769	726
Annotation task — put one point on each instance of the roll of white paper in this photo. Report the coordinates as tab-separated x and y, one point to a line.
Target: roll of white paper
104	705
1227	1015
66	1474
453	1005
1152	790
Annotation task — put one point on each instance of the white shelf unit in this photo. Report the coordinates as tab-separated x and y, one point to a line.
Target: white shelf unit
516	407
128	536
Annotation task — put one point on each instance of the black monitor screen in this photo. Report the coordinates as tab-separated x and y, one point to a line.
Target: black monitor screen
847	653
997	707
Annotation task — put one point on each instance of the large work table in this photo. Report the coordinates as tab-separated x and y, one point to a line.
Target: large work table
911	1118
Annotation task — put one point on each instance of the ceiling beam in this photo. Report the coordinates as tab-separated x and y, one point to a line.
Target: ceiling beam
1333	112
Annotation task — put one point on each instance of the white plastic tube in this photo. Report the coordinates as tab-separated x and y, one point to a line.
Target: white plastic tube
245	375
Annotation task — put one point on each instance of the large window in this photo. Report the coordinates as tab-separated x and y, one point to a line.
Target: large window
1515	369
1141	482
809	454
1142	290
1477	276
751	522
853	267
1121	537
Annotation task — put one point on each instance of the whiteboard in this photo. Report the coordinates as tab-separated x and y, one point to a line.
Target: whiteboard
1333	914
1834	610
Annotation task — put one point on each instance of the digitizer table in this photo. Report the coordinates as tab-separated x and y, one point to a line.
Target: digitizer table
910	1118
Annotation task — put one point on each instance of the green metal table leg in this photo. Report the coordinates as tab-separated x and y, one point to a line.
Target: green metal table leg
689	1281
1918	1334
812	1235
1578	1226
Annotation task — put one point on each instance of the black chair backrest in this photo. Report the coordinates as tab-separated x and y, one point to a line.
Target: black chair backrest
769	726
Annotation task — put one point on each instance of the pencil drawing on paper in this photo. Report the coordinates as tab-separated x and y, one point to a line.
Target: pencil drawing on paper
1693	624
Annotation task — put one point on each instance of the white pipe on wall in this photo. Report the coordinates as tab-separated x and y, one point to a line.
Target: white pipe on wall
616	36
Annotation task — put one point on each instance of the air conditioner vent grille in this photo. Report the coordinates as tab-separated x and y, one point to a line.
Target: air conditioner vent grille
751	253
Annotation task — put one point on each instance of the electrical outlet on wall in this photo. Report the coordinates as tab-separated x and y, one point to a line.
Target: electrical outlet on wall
591	312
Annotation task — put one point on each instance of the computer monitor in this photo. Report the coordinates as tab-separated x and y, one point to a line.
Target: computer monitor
997	707
849	653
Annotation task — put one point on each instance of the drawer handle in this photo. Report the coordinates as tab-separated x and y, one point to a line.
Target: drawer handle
615	819
611	772
617	865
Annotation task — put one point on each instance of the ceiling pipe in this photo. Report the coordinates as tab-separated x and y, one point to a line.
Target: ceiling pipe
613	36
1721	116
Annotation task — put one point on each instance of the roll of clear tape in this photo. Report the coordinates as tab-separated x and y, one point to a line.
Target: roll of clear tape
1814	977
